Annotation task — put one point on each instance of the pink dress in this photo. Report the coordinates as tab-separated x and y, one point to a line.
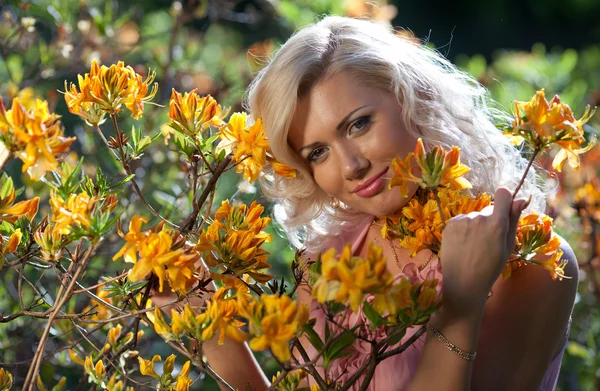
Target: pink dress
395	372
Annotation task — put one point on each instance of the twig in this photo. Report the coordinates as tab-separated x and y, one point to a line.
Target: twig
127	168
60	301
535	152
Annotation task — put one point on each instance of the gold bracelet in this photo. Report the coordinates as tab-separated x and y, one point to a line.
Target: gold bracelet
461	353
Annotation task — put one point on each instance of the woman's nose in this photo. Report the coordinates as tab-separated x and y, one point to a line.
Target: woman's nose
353	163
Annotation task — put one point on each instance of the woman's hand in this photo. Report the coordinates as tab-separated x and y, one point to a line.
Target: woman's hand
475	248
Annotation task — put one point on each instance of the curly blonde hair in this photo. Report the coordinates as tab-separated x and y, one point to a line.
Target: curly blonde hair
439	103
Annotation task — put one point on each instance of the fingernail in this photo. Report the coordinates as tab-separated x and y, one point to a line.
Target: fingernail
526	203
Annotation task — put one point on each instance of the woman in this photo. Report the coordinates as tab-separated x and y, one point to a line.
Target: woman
339	101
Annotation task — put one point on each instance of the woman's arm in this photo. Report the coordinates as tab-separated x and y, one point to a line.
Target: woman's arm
524	327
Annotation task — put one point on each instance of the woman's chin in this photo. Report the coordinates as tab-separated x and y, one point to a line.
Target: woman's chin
387	203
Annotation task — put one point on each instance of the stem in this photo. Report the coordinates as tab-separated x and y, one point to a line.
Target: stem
439	204
60	302
535	152
128	170
404	346
191	220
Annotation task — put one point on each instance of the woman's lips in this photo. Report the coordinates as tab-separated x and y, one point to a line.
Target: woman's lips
371	186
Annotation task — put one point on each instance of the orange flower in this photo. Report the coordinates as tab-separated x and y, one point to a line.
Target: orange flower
106	89
152	251
76	211
191	114
132	238
273	322
541	123
536	243
234	240
248	142
35	136
433	169
51	242
349	278
11	245
9	211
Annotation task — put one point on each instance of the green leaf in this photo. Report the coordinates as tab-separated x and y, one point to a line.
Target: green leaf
313	337
340	343
6	185
372	315
122	181
397	333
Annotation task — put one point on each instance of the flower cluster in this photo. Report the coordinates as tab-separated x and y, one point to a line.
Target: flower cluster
220	316
349	279
541	123
33	135
273	321
421	222
234	239
105	90
159	251
181	382
420	225
430	169
191	114
251	149
536	243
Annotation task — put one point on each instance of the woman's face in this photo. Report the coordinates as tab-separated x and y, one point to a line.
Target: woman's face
348	135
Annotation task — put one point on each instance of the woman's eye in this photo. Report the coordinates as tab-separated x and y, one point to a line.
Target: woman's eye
315	154
360	124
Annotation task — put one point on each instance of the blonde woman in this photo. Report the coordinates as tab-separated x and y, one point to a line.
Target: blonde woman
339	101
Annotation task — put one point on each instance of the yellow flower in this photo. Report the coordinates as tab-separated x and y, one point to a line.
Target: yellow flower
96	372
536	243
433	169
234	240
6	380
248	142
132	238
541	123
222	314
554	265
147	366
154	252
106	90
160	326
183	381
9	211
12	243
35	136
75	357
349	278
51	242
273	322
281	169
180	271
191	114
76	211
150	251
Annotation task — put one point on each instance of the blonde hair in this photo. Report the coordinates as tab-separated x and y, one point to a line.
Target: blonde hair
439	103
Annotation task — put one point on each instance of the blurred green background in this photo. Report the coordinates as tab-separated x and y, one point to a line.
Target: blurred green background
512	47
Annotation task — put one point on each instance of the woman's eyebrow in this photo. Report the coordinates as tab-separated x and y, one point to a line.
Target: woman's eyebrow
338	127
